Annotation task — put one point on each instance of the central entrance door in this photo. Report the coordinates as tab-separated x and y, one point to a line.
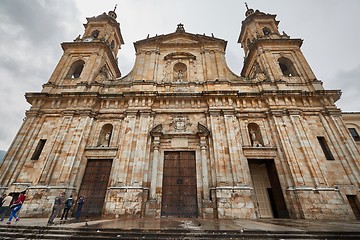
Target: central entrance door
179	197
94	186
268	193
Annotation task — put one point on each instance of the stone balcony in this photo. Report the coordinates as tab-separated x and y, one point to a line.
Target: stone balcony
259	152
101	152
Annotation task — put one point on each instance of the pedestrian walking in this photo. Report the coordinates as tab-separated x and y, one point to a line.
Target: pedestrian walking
5	205
68	204
80	204
15	208
2	199
58	203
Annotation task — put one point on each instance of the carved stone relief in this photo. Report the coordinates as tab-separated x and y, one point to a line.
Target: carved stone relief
180	123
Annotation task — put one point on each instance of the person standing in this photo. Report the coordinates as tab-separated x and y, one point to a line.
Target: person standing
1	201
58	202
5	207
68	204
80	204
2	198
15	207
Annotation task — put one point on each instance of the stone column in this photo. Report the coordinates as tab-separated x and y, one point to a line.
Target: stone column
54	154
129	124
73	152
140	150
205	177
154	171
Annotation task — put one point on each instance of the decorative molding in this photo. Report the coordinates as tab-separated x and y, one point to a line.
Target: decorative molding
180	123
203	129
157	129
179	55
315	189
233	188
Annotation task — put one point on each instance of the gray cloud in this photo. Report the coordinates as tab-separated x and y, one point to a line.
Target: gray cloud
349	83
31	31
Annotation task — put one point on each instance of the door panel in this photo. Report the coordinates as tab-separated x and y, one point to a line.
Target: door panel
261	184
269	197
179	195
94	186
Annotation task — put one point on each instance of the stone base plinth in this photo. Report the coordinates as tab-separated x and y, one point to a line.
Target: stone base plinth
40	199
324	204
124	201
233	203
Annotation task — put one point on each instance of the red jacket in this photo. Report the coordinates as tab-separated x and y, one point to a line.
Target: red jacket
20	199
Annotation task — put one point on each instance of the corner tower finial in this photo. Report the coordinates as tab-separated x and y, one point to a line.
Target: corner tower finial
112	13
249	11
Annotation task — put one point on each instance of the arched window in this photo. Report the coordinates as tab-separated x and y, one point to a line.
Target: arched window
266	31
287	67
76	69
255	135
180	72
95	33
105	135
112	45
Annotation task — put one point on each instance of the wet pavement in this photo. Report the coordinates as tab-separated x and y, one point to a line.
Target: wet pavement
272	225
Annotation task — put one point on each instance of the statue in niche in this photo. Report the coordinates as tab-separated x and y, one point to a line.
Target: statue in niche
254	139
106	140
180	76
103	74
259	74
180	72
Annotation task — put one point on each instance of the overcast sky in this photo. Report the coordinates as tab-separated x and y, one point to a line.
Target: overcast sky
33	30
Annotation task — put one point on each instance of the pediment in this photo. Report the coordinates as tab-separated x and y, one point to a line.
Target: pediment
180	40
180	55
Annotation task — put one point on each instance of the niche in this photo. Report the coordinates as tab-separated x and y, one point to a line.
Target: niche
255	135
180	72
105	136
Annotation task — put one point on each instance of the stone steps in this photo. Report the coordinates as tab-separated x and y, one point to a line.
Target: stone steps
25	232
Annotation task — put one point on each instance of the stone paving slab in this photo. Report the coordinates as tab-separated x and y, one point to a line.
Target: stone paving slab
281	225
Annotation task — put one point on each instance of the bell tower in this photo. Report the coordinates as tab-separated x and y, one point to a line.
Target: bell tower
274	55
90	58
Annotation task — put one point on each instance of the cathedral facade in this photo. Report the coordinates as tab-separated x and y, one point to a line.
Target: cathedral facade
181	135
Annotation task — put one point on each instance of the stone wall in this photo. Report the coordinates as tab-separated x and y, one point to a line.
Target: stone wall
125	201
325	205
234	203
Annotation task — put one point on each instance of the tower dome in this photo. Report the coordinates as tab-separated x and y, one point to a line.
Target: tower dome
249	11
112	13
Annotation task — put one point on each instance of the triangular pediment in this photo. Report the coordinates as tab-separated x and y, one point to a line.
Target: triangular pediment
180	40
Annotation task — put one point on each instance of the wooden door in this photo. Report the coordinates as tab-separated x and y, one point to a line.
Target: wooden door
355	205
94	186
261	184
179	197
